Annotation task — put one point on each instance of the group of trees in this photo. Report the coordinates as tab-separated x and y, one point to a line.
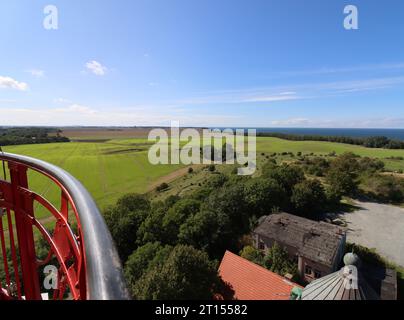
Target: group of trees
28	135
159	264
351	175
369	142
172	246
275	260
300	195
155	238
157	272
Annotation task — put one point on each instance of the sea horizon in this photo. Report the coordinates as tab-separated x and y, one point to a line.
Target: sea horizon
391	133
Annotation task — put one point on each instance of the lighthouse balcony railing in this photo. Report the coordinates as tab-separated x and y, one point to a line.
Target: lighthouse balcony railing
59	249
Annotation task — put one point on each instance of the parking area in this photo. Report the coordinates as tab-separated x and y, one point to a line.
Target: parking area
378	226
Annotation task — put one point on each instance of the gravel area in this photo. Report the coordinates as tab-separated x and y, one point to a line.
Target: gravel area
378	226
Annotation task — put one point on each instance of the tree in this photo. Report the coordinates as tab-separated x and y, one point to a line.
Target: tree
376	142
232	211
264	194
343	173
201	231
143	259
308	198
151	229
124	220
187	274
286	175
252	254
277	260
342	183
176	216
220	223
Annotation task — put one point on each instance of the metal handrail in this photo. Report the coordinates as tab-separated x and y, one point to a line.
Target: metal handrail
104	279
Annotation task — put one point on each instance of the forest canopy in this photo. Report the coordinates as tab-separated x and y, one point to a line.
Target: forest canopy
30	135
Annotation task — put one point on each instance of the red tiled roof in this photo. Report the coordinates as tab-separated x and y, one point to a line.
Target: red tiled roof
253	282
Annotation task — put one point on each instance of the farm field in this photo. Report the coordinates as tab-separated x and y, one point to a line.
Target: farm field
109	169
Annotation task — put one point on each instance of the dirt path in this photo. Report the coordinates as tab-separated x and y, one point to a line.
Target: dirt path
172	176
394	174
378	226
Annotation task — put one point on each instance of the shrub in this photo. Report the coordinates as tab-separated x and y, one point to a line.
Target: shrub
277	261
252	254
162	187
385	188
367	256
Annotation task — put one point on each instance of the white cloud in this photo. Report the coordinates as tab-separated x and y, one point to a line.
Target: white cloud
77	108
61	100
10	83
351	69
241	96
293	92
157	115
76	115
291	122
96	68
36	73
287	93
272	98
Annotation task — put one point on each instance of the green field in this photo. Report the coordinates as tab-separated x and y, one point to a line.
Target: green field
112	168
108	170
323	148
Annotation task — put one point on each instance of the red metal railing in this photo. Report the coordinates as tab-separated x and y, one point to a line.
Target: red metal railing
86	261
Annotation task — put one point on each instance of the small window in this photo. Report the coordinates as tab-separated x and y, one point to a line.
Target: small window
317	274
308	270
261	246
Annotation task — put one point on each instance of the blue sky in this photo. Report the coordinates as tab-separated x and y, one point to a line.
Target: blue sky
263	63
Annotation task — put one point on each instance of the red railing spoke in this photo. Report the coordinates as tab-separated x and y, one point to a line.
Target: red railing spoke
86	262
3	250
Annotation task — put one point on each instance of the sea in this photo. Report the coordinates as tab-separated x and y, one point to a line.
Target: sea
395	134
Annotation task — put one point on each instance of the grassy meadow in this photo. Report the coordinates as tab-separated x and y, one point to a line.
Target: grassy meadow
111	168
107	169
